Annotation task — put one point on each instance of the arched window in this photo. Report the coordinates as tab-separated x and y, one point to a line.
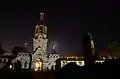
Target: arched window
25	64
41	29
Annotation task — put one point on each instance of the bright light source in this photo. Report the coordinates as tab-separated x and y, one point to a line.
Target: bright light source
10	66
38	65
35	69
103	57
76	57
99	61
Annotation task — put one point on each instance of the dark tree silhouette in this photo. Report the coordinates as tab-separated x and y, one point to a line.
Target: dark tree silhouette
16	50
1	49
114	48
25	50
97	54
18	65
68	71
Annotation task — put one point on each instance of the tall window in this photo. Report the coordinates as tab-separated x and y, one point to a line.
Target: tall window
0	60
25	64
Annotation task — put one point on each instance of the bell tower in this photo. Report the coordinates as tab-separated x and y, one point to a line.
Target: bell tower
40	40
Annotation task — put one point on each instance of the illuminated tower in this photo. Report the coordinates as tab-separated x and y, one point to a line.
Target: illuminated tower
88	48
40	41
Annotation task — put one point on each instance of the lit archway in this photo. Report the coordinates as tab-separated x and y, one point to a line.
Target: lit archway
38	65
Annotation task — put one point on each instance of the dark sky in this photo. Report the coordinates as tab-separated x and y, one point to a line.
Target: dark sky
66	21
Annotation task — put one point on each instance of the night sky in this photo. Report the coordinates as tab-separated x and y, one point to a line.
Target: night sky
66	21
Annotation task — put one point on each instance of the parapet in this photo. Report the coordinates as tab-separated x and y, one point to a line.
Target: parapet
54	56
23	54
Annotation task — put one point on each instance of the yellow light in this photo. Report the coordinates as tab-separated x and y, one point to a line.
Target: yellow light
40	63
37	64
35	69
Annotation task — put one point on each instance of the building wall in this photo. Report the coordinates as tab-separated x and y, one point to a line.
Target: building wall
3	62
24	58
80	62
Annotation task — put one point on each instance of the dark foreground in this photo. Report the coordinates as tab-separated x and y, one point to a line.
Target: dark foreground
110	69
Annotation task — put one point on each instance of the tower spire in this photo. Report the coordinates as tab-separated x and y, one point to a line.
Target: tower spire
25	44
53	46
53	49
41	16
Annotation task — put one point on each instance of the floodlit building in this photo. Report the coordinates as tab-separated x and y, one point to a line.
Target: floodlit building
39	59
6	58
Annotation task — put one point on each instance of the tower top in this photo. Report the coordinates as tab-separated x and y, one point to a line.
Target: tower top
53	46
41	19
53	49
25	43
41	16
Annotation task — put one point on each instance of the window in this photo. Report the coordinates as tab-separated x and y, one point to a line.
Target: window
4	60
25	64
19	54
0	60
64	62
41	29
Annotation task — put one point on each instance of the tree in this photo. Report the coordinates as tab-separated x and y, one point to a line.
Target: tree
114	48
18	65
16	50
1	49
97	54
